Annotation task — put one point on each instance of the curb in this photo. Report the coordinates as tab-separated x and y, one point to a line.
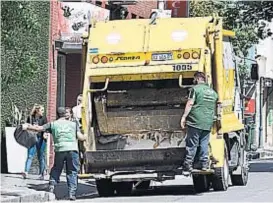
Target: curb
262	154
21	196
266	154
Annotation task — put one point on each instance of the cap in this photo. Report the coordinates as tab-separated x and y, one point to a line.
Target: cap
61	110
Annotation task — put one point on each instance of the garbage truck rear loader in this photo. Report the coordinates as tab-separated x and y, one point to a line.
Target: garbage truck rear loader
137	77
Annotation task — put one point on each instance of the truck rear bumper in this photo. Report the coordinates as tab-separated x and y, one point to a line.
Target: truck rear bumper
165	159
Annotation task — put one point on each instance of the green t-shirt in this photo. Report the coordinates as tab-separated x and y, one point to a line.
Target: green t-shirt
64	135
203	110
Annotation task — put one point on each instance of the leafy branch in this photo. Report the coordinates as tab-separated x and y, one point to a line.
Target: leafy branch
239	16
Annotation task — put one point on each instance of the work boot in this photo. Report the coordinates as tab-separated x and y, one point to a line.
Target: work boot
42	177
204	167
24	175
72	197
51	188
187	169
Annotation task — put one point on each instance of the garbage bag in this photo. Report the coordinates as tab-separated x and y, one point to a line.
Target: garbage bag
25	138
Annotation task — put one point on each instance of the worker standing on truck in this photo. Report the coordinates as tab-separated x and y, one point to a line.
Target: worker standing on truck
65	134
199	117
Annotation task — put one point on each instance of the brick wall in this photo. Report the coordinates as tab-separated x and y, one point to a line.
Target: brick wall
52	71
142	8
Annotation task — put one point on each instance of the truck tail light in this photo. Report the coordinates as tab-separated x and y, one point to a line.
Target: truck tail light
104	59
195	55
95	59
186	55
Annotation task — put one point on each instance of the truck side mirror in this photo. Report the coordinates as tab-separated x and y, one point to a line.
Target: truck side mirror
254	73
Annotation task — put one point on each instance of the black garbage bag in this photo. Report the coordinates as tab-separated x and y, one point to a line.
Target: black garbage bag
25	138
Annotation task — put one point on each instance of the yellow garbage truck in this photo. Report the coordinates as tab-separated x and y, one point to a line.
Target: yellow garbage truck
137	76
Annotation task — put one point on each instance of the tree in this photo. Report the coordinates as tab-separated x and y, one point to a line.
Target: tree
19	25
239	16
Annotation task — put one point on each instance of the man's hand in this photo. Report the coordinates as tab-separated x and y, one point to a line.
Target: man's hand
183	122
81	137
25	126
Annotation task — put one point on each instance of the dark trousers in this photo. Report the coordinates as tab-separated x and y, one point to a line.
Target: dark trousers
195	138
71	158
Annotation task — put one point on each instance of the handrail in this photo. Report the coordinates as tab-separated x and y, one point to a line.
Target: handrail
180	83
101	90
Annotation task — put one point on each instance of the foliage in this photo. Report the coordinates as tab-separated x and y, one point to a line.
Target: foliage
19	20
239	16
24	57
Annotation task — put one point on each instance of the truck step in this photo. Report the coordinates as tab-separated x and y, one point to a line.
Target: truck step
85	176
207	172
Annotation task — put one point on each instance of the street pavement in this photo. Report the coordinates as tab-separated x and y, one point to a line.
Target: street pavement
15	189
258	189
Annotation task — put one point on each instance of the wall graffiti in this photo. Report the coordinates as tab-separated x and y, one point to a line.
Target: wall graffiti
75	17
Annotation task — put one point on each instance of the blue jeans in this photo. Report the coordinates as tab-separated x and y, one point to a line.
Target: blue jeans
39	147
71	158
195	138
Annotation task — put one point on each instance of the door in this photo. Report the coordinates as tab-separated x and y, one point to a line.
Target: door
61	66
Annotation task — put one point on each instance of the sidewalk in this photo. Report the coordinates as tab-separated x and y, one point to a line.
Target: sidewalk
16	189
265	153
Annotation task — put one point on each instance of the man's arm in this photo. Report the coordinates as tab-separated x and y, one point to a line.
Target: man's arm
36	127
188	107
189	104
80	136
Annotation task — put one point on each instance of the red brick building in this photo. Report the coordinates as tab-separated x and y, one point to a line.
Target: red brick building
65	51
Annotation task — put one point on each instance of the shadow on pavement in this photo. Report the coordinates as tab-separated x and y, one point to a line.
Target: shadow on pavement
157	191
167	190
29	178
61	190
261	166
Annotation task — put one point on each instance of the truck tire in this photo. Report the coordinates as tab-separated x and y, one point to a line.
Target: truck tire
144	185
105	187
124	188
241	179
220	178
201	183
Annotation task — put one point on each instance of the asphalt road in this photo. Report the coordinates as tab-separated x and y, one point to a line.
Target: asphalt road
258	189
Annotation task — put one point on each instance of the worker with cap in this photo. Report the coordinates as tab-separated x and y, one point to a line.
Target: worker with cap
65	134
198	117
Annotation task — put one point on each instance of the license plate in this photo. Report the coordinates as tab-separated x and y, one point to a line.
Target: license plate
162	57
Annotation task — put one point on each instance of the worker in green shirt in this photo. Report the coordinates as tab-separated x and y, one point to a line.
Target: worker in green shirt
198	117
65	134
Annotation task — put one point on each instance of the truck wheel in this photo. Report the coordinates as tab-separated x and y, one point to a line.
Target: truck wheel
241	179
144	185
124	188
105	187
201	183
220	178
